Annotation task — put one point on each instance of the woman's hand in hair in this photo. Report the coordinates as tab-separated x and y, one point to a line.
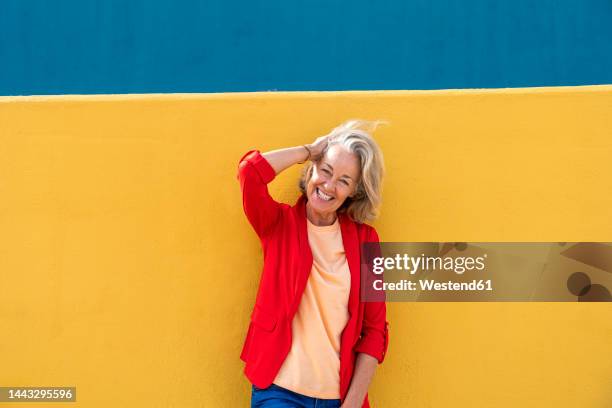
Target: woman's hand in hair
317	148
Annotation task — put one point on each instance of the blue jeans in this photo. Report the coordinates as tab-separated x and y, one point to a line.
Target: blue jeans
279	397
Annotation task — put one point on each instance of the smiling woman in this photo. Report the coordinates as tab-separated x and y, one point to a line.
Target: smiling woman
311	340
352	166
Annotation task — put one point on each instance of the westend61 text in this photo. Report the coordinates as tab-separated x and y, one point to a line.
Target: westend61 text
429	284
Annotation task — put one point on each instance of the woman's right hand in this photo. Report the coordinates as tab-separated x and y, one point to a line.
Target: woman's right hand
318	147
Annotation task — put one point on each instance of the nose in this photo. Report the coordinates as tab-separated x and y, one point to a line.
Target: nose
330	186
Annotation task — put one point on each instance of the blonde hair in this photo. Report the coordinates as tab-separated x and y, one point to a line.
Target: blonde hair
355	136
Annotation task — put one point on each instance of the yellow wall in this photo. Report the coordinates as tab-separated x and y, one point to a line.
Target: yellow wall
128	269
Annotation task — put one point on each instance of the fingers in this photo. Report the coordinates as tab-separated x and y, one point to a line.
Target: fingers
319	146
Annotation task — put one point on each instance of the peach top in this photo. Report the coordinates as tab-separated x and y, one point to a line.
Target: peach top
312	366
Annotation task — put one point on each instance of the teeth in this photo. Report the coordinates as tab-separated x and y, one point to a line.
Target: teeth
323	195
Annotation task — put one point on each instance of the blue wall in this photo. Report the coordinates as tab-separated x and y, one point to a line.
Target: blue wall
137	46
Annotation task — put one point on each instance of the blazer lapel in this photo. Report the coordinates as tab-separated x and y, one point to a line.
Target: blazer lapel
304	263
350	241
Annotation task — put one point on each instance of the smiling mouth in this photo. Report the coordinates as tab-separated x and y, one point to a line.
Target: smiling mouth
322	195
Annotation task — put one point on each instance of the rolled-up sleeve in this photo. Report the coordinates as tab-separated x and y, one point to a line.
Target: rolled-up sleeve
375	327
254	174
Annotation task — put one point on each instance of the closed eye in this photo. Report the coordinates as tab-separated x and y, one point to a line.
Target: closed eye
326	171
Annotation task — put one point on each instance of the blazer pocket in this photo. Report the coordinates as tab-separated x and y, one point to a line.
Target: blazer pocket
263	319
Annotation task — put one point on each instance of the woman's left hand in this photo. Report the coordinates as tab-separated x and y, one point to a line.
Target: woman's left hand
365	366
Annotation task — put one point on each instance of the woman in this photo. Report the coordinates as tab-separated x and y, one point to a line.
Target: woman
311	340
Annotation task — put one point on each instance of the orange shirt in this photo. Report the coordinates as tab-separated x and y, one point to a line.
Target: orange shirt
312	366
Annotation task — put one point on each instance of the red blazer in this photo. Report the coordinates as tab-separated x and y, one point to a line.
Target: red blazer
287	263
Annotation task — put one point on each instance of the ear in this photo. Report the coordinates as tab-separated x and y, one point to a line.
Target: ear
357	193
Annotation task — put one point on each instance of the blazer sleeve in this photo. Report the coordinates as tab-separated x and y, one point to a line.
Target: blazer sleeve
254	174
375	327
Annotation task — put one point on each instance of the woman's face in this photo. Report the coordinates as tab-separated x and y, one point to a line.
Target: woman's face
333	179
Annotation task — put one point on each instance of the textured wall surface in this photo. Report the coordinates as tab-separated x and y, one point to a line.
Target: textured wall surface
128	269
150	46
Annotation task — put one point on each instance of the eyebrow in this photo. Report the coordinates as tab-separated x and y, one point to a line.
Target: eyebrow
344	175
